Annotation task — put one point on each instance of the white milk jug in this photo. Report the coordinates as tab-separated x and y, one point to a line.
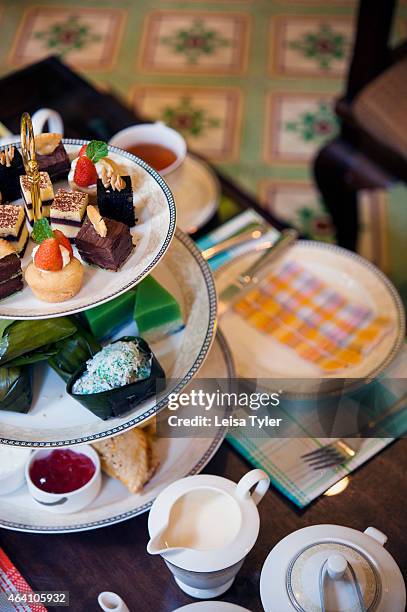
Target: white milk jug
204	526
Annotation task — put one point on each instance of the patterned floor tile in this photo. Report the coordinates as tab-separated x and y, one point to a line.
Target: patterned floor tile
297	125
310	46
299	204
195	41
86	38
208	117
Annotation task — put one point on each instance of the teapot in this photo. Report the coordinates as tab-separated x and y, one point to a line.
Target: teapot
204	526
330	567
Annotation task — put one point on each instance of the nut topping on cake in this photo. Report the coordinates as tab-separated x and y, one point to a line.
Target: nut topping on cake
112	179
6	156
45	144
97	221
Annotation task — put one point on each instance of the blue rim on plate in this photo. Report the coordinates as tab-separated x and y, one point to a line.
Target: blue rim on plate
166	242
119	518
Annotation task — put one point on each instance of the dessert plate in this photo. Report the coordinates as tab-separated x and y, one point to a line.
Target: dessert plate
259	356
55	419
155	210
196	192
179	457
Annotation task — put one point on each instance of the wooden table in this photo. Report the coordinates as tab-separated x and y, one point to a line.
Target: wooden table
115	558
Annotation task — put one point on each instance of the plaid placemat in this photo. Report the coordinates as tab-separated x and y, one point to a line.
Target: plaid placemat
281	457
11	584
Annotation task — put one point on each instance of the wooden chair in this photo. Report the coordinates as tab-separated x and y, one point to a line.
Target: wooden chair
371	149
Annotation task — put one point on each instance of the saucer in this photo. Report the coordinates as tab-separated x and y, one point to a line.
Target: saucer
196	194
211	606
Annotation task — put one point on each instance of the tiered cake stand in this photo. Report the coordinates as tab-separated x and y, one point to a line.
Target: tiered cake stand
55	419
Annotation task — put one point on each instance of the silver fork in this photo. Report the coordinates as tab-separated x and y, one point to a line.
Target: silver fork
344	449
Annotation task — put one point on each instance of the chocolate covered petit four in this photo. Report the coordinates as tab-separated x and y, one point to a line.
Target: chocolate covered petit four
11	277
67	211
115	198
11	167
51	155
13	227
104	242
46	193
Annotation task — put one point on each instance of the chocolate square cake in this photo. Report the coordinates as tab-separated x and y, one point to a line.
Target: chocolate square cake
11	168
108	247
11	276
52	156
115	199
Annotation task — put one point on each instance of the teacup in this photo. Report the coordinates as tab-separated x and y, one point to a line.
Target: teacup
158	134
203	527
39	119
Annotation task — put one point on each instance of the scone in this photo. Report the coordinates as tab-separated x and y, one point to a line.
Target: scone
54	275
129	457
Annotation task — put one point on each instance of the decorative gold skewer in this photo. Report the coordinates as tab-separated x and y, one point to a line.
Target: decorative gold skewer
30	164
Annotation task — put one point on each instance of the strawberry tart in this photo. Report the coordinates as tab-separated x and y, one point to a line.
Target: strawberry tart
54	275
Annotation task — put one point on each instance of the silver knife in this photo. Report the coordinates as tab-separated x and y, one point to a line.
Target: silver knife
254	233
251	276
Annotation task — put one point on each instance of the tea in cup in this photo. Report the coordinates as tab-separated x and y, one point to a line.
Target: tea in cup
158	145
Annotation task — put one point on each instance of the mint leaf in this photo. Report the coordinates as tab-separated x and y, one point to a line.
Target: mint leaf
96	149
41	230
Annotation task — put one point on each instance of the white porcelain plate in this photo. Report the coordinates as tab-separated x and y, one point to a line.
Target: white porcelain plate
55	419
179	457
196	193
211	606
259	356
155	210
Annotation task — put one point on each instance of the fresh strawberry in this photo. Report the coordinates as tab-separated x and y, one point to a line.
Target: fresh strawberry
82	150
63	241
48	256
85	172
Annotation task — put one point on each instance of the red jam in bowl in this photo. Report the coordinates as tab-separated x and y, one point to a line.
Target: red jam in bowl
62	471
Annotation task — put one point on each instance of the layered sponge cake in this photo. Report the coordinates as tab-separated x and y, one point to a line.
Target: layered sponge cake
46	193
67	212
13	227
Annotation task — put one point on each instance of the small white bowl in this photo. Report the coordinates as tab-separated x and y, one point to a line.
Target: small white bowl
153	133
13	479
66	503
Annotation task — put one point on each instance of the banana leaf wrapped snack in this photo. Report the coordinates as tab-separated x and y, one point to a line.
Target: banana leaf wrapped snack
72	352
25	342
118	378
15	389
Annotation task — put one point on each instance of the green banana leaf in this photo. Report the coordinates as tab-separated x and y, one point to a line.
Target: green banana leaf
71	353
42	354
26	337
15	389
118	401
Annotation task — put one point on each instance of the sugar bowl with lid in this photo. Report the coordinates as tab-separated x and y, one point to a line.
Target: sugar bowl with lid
335	568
